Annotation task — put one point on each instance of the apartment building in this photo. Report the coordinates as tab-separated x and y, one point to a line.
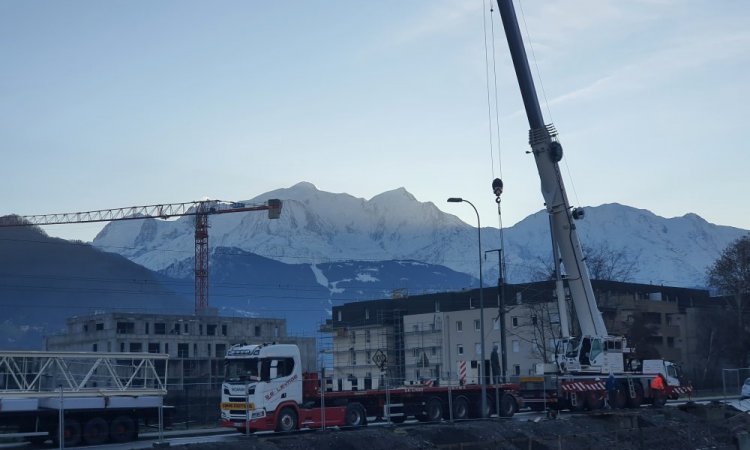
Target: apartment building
196	344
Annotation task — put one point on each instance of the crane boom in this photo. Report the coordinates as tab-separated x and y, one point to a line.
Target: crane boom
547	153
200	209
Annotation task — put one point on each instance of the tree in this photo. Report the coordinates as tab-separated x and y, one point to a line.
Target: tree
540	327
730	276
603	261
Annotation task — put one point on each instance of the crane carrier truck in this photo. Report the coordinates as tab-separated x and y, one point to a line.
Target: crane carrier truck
582	363
264	389
82	397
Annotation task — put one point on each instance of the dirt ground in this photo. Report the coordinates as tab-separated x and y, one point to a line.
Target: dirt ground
687	427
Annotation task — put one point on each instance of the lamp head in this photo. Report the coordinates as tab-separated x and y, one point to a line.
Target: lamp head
455	200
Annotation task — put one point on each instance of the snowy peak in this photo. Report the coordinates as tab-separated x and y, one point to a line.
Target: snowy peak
321	227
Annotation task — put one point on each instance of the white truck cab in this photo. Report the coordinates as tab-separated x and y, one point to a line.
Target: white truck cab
258	378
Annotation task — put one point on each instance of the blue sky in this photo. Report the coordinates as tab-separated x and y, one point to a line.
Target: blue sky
121	103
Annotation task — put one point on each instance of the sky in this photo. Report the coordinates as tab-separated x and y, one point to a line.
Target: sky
123	103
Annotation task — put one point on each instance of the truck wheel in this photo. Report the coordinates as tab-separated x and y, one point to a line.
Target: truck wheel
287	420
594	400
460	408
71	433
620	397
356	415
95	431
122	429
508	406
660	399
434	410
577	401
635	402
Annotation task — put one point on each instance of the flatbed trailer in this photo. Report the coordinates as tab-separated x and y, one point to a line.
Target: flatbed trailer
278	397
80	397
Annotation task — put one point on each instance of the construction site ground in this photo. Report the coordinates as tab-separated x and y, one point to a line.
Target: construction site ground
689	426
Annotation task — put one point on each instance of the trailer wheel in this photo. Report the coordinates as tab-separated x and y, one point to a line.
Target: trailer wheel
287	420
356	415
434	410
122	429
508	406
635	402
460	408
95	431
71	433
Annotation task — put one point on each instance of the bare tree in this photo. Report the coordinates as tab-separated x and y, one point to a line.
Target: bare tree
539	325
730	275
603	261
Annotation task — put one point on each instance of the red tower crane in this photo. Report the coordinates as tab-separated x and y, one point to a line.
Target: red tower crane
200	209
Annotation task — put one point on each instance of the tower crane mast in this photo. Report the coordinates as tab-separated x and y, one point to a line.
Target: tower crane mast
200	209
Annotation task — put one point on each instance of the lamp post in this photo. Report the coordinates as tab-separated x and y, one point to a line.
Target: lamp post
481	305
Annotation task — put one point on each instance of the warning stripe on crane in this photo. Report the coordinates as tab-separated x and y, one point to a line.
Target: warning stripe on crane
580	386
682	389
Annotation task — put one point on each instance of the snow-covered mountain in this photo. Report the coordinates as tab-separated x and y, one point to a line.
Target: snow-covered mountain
321	227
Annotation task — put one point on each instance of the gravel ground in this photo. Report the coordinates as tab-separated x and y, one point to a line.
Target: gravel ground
689	427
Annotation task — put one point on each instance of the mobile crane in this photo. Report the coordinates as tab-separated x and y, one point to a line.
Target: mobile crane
580	360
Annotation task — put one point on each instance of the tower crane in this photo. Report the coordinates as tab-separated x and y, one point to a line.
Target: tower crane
200	209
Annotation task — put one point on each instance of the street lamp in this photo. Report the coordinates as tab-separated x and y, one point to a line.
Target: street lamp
481	305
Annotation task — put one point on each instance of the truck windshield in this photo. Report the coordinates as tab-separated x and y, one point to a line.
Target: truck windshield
571	348
245	369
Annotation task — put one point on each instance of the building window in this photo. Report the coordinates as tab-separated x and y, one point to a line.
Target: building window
339	316
183	350
276	331
93	347
122	346
166	347
85	328
369	356
208	349
353	337
153	347
516	346
670	342
223	329
437	305
176	329
415	352
257	330
211	330
221	350
367	336
460	349
459	326
415	327
514	321
147	328
99	326
353	357
185	328
136	347
200	329
125	328
367	314
433	351
160	328
517	369
477	348
477	327
195	350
